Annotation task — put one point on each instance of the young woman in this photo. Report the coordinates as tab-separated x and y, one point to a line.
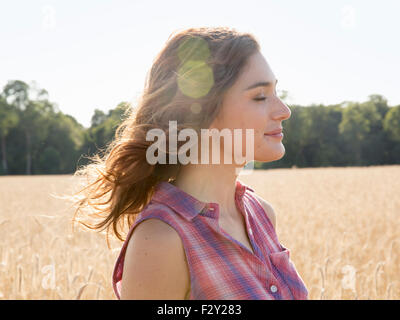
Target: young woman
195	230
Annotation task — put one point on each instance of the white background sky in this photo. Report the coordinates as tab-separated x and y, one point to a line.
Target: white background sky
94	54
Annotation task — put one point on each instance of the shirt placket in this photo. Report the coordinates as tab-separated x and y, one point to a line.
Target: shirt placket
271	281
264	268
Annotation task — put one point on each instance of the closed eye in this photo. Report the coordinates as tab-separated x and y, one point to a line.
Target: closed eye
259	99
263	98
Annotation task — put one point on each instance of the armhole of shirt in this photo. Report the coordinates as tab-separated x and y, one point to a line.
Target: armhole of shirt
159	217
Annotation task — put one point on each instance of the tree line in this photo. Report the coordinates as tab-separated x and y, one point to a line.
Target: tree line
37	138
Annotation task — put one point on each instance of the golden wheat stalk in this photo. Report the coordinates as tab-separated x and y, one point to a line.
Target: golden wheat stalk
81	289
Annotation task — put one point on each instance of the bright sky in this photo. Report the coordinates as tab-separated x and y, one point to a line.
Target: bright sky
94	54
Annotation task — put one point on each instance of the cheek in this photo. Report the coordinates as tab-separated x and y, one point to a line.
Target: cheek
258	124
256	120
243	114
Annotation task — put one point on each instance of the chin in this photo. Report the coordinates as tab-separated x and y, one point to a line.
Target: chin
270	155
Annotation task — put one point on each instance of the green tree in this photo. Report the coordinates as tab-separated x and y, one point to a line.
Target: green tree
98	118
391	126
391	123
16	93
32	115
374	150
101	133
357	121
8	120
65	136
50	159
380	103
293	128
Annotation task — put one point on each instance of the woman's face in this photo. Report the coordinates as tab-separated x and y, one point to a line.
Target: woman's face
247	105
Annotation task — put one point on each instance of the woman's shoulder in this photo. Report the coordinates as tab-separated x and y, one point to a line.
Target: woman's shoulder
269	210
154	250
155	231
155	210
155	220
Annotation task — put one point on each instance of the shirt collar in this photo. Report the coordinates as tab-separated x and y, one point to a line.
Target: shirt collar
187	205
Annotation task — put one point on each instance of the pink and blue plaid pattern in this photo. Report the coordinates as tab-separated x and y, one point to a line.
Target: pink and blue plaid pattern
222	268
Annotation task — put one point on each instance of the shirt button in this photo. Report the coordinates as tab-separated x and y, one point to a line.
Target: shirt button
273	288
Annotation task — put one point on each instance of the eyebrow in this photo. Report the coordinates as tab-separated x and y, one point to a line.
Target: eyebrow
261	84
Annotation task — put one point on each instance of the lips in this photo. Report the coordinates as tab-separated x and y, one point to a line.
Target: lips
276	131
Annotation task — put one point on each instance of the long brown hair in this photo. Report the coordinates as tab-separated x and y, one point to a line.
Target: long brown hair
186	83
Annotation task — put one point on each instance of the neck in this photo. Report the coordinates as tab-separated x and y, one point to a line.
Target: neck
210	183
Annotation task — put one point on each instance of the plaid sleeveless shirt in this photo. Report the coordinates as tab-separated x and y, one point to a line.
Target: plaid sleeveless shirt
222	268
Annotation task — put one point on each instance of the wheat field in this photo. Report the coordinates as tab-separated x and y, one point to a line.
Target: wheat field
341	225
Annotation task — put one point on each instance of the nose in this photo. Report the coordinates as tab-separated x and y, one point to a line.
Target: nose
281	110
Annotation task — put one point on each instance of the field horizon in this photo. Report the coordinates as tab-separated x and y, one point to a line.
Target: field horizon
341	225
